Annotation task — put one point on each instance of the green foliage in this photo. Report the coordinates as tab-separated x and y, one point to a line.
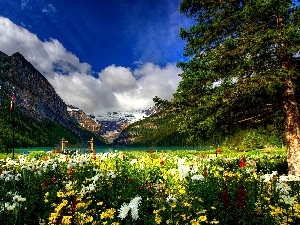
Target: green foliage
29	132
157	130
242	54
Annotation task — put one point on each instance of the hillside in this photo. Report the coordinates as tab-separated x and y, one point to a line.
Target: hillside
40	116
159	129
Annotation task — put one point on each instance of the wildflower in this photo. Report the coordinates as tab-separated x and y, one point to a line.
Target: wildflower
203	218
66	219
158	219
283	187
242	162
225	197
171	199
60	194
111	174
288	200
83	162
182	169
195	222
133	206
134	161
9	207
18	198
197	177
214	221
241	197
123	211
267	177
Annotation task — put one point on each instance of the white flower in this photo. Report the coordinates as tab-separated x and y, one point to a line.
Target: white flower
91	187
134	213
134	161
171	199
10	207
283	187
123	211
18	198
69	185
54	166
142	166
267	177
198	177
288	200
83	162
194	170
111	174
133	206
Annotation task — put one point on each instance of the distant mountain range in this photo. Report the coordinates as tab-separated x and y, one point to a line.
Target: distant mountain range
43	119
109	124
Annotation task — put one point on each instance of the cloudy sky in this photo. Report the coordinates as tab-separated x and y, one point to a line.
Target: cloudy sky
99	55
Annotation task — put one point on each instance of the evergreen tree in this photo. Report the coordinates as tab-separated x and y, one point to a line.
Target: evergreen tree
243	68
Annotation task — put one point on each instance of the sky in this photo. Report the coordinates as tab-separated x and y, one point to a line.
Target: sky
99	55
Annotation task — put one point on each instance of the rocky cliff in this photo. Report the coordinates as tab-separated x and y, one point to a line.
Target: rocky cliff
34	95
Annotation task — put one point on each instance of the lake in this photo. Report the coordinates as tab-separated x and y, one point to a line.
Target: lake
112	148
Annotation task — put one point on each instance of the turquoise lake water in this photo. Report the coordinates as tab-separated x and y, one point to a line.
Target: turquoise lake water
111	148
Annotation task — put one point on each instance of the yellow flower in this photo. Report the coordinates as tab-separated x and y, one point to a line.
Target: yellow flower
157	219
182	191
173	205
110	213
195	222
89	219
60	194
100	203
213	208
214	221
203	218
66	219
80	204
187	204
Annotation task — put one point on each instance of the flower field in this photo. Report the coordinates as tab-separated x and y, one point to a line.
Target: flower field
182	187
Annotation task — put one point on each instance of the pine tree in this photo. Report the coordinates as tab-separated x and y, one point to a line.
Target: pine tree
243	68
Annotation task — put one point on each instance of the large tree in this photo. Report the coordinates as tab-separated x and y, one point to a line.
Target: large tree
243	68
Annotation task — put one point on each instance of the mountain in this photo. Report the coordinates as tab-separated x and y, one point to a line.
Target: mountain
108	124
158	129
37	106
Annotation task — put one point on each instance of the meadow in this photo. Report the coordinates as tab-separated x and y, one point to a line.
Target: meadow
164	187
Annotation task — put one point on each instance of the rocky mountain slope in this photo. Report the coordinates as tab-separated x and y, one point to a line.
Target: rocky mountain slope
35	97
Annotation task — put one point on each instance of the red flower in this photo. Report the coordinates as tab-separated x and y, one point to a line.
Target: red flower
162	163
225	197
204	173
241	197
151	151
242	162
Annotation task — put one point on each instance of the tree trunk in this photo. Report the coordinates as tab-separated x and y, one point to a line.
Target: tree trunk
292	128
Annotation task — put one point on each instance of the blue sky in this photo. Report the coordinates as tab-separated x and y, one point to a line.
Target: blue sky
99	55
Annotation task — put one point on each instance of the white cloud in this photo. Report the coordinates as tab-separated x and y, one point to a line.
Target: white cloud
24	4
117	88
49	9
